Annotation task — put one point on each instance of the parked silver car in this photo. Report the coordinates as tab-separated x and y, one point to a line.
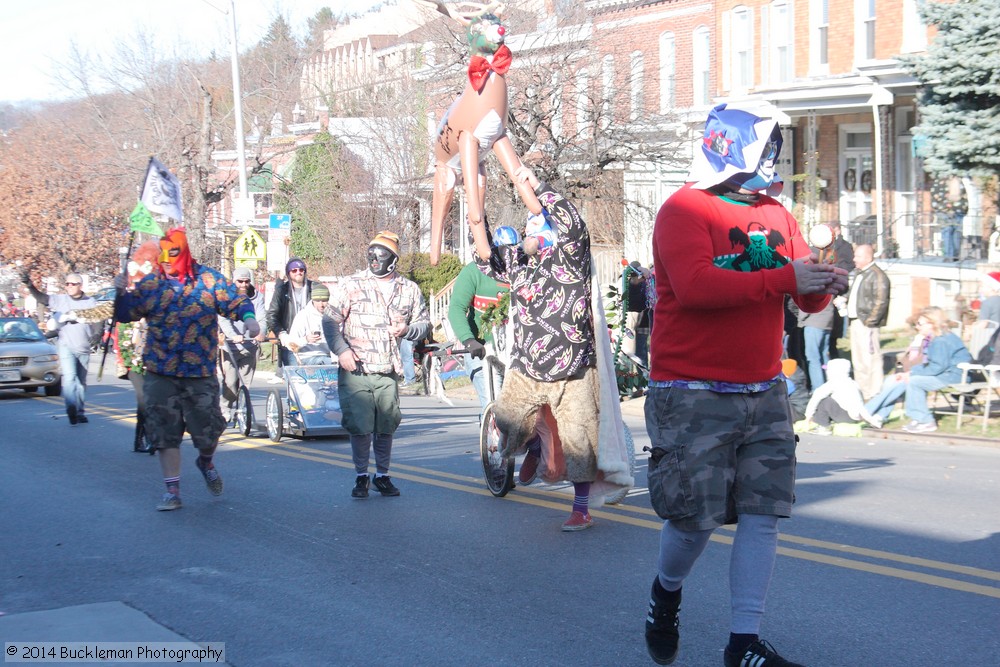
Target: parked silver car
27	359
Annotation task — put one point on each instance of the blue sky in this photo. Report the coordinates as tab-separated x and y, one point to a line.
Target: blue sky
35	35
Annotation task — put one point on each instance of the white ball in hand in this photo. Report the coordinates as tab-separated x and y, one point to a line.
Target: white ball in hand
821	236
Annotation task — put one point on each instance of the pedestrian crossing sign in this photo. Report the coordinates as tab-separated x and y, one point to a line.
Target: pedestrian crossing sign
249	246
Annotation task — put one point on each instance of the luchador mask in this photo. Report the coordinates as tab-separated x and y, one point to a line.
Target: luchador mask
175	256
739	149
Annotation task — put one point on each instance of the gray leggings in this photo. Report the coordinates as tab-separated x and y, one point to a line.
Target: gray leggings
361	446
750	565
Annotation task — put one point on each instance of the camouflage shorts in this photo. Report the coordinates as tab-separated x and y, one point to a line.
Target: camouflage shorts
175	405
718	455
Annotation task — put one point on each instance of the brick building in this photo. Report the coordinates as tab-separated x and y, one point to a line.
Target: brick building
828	70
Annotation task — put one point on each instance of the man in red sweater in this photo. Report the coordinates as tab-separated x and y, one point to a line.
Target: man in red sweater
725	254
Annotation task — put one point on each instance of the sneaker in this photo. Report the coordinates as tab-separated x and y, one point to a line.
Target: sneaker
276	380
877	421
385	485
529	468
360	489
82	419
212	478
170	501
822	430
577	521
758	654
662	627
912	427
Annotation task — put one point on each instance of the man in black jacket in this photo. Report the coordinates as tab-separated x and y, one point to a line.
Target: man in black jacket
868	310
290	296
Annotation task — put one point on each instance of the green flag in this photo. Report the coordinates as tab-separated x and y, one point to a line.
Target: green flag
143	222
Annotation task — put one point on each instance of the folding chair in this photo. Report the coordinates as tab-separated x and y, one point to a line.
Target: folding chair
982	331
989	386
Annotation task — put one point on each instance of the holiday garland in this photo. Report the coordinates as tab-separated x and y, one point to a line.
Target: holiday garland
129	360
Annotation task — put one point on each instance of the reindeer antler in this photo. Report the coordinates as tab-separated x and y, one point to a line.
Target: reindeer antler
464	12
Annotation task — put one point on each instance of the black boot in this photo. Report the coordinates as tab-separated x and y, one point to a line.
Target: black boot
141	443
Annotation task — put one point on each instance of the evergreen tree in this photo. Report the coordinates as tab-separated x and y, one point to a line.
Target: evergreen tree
324	19
959	121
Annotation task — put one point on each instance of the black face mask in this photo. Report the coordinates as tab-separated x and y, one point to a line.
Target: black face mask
381	261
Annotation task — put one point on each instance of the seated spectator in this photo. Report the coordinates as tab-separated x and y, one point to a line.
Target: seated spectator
990	308
838	400
798	392
305	337
945	351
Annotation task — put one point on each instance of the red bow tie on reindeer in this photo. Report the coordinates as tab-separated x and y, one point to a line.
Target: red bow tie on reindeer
474	124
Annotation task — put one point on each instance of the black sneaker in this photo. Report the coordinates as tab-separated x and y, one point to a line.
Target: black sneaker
82	419
758	654
662	626
360	489
385	485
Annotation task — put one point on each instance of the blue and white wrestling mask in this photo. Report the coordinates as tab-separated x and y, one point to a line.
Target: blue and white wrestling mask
740	150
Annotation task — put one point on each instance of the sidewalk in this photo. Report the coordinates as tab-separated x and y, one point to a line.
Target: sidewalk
101	622
945	434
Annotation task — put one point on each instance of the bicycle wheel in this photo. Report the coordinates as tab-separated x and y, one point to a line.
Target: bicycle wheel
498	470
426	364
244	411
275	418
620	495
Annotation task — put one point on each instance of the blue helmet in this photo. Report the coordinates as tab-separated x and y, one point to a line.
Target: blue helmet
506	236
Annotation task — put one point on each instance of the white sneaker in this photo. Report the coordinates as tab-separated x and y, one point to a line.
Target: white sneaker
276	380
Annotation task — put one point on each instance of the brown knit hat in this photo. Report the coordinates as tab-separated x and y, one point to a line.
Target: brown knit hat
387	240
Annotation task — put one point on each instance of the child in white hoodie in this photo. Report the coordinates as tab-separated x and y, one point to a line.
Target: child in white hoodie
305	337
838	400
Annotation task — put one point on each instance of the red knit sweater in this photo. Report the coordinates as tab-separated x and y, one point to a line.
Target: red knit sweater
722	270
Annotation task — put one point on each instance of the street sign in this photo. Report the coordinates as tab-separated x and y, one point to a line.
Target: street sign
279	221
249	246
277	254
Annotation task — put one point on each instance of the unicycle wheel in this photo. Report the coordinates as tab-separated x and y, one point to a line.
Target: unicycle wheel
498	470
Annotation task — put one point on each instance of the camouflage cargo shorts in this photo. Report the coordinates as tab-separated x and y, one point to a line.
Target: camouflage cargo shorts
718	455
175	405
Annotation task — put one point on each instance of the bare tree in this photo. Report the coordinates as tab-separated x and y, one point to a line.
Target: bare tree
59	208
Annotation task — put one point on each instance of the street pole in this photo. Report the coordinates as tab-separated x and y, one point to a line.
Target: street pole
238	105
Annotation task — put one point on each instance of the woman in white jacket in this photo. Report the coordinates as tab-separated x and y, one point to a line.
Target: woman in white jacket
838	400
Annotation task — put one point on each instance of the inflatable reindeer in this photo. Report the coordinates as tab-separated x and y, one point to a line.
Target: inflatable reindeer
474	124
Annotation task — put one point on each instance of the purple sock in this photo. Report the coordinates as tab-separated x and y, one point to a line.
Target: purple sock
581	496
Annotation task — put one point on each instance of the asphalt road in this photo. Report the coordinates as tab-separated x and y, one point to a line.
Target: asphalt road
892	558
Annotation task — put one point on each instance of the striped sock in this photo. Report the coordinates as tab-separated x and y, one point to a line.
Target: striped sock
581	496
173	485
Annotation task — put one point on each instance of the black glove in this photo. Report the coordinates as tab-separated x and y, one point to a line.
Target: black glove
474	348
26	277
121	282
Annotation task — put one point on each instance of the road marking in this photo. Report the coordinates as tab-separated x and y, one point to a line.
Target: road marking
632	515
635	516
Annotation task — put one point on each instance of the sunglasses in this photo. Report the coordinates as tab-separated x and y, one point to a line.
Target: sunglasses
68	284
296	270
